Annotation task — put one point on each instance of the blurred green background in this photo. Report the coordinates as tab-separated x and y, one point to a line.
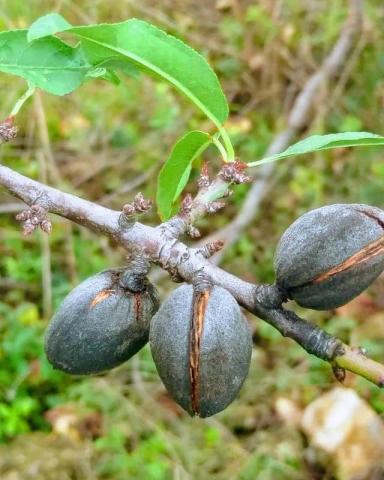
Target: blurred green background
105	143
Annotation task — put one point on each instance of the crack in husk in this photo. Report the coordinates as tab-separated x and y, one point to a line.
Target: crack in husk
371	250
101	296
199	306
137	306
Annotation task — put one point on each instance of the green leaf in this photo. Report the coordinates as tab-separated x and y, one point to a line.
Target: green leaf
47	25
175	172
54	23
151	50
49	63
316	143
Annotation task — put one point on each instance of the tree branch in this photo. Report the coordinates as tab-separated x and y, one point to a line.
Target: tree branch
93	216
178	259
162	245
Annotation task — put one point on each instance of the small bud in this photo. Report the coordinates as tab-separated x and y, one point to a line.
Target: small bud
211	248
186	204
339	373
233	173
22	216
204	181
140	204
35	220
129	210
8	131
34	217
46	226
193	232
28	228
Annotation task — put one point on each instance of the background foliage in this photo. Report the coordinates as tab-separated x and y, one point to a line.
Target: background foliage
105	142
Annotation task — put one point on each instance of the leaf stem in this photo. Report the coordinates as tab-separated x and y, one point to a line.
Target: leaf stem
220	147
20	102
317	143
230	157
262	161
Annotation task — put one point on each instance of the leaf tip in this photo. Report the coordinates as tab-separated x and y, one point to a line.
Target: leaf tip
49	24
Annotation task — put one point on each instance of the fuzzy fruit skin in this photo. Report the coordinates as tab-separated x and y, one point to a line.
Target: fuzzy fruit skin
323	239
225	351
100	325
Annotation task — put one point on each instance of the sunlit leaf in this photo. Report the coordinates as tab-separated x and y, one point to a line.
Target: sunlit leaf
47	25
316	143
151	50
175	172
49	63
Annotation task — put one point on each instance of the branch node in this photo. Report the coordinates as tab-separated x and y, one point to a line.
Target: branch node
139	261
171	257
131	210
173	228
233	173
201	281
270	296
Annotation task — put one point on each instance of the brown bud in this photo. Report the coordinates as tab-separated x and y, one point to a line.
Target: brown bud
233	172
8	131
